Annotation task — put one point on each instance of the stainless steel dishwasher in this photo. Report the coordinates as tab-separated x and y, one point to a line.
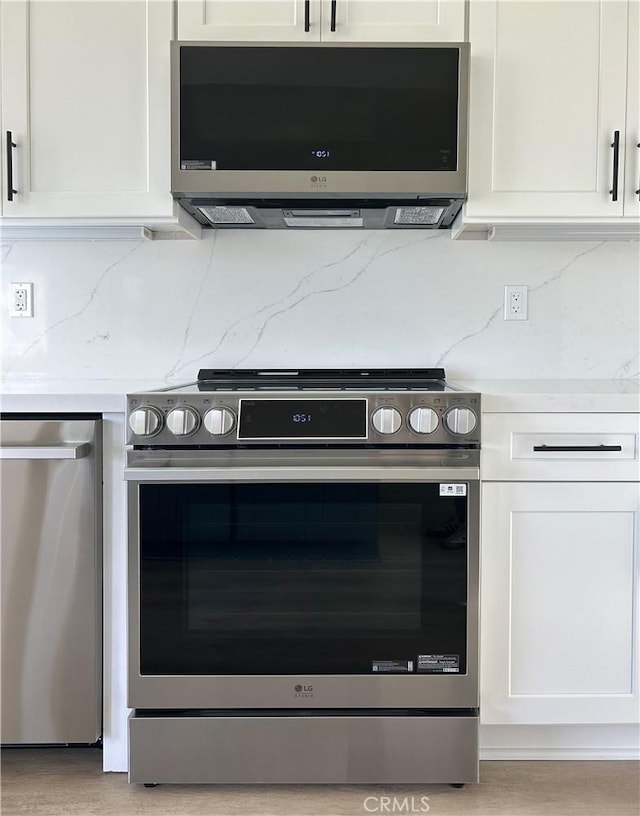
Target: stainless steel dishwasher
50	552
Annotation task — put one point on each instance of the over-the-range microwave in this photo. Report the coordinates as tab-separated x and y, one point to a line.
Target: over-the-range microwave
323	135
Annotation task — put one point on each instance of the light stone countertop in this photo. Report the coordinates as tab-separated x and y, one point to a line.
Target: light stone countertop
555	396
37	394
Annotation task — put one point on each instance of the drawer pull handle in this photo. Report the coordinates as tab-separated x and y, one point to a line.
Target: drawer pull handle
596	448
307	24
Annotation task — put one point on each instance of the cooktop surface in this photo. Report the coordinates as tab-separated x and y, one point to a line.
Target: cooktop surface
429	379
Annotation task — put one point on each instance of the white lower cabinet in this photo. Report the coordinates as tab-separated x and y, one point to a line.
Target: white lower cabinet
559	602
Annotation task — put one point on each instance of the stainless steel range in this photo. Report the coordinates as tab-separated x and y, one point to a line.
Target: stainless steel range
303	578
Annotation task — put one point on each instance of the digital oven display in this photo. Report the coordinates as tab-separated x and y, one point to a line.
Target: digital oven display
303	419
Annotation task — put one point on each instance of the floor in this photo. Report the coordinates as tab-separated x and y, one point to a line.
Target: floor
69	782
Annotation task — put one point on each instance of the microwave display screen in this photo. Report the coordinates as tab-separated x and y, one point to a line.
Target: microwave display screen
319	108
303	419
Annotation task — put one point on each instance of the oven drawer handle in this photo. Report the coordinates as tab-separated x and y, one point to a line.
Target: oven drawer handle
571	448
318	474
70	450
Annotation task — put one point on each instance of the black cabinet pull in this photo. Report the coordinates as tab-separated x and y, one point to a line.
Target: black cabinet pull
615	144
334	9
595	448
10	145
638	190
307	24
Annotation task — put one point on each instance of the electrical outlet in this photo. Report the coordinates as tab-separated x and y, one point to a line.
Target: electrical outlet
21	303
515	302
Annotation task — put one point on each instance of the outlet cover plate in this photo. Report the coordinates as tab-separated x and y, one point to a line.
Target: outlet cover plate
21	300
515	303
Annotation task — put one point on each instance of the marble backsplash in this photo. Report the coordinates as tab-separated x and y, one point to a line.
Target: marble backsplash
114	309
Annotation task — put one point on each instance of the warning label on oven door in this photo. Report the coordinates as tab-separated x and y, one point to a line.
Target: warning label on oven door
439	664
453	490
392	665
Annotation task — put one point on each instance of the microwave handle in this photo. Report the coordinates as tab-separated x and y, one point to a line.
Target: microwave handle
307	23
334	9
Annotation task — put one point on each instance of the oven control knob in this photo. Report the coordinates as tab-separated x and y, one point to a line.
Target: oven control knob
460	421
423	420
145	421
386	420
183	421
219	421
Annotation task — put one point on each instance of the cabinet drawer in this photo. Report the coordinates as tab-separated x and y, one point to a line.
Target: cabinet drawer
560	447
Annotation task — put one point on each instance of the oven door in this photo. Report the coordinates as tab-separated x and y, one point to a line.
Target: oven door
297	579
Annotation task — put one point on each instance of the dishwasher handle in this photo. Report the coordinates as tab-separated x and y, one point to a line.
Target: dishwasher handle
64	450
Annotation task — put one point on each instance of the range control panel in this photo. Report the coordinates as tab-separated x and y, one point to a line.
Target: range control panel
172	419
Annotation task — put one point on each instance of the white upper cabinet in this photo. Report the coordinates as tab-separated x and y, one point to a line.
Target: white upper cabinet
249	20
85	96
549	92
393	20
327	20
632	161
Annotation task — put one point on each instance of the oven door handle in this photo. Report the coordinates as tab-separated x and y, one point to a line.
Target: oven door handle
301	474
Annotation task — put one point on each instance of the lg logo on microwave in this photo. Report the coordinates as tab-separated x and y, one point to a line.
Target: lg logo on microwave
303	691
318	181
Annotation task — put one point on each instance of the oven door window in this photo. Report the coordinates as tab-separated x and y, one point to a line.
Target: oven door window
245	579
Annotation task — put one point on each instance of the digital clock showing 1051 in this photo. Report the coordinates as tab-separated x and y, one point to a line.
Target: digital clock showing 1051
310	418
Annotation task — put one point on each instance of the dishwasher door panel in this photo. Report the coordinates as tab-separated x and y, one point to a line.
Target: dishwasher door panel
50	560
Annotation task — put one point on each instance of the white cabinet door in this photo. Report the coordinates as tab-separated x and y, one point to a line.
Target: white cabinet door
559	603
338	20
85	94
548	92
247	20
632	164
393	20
